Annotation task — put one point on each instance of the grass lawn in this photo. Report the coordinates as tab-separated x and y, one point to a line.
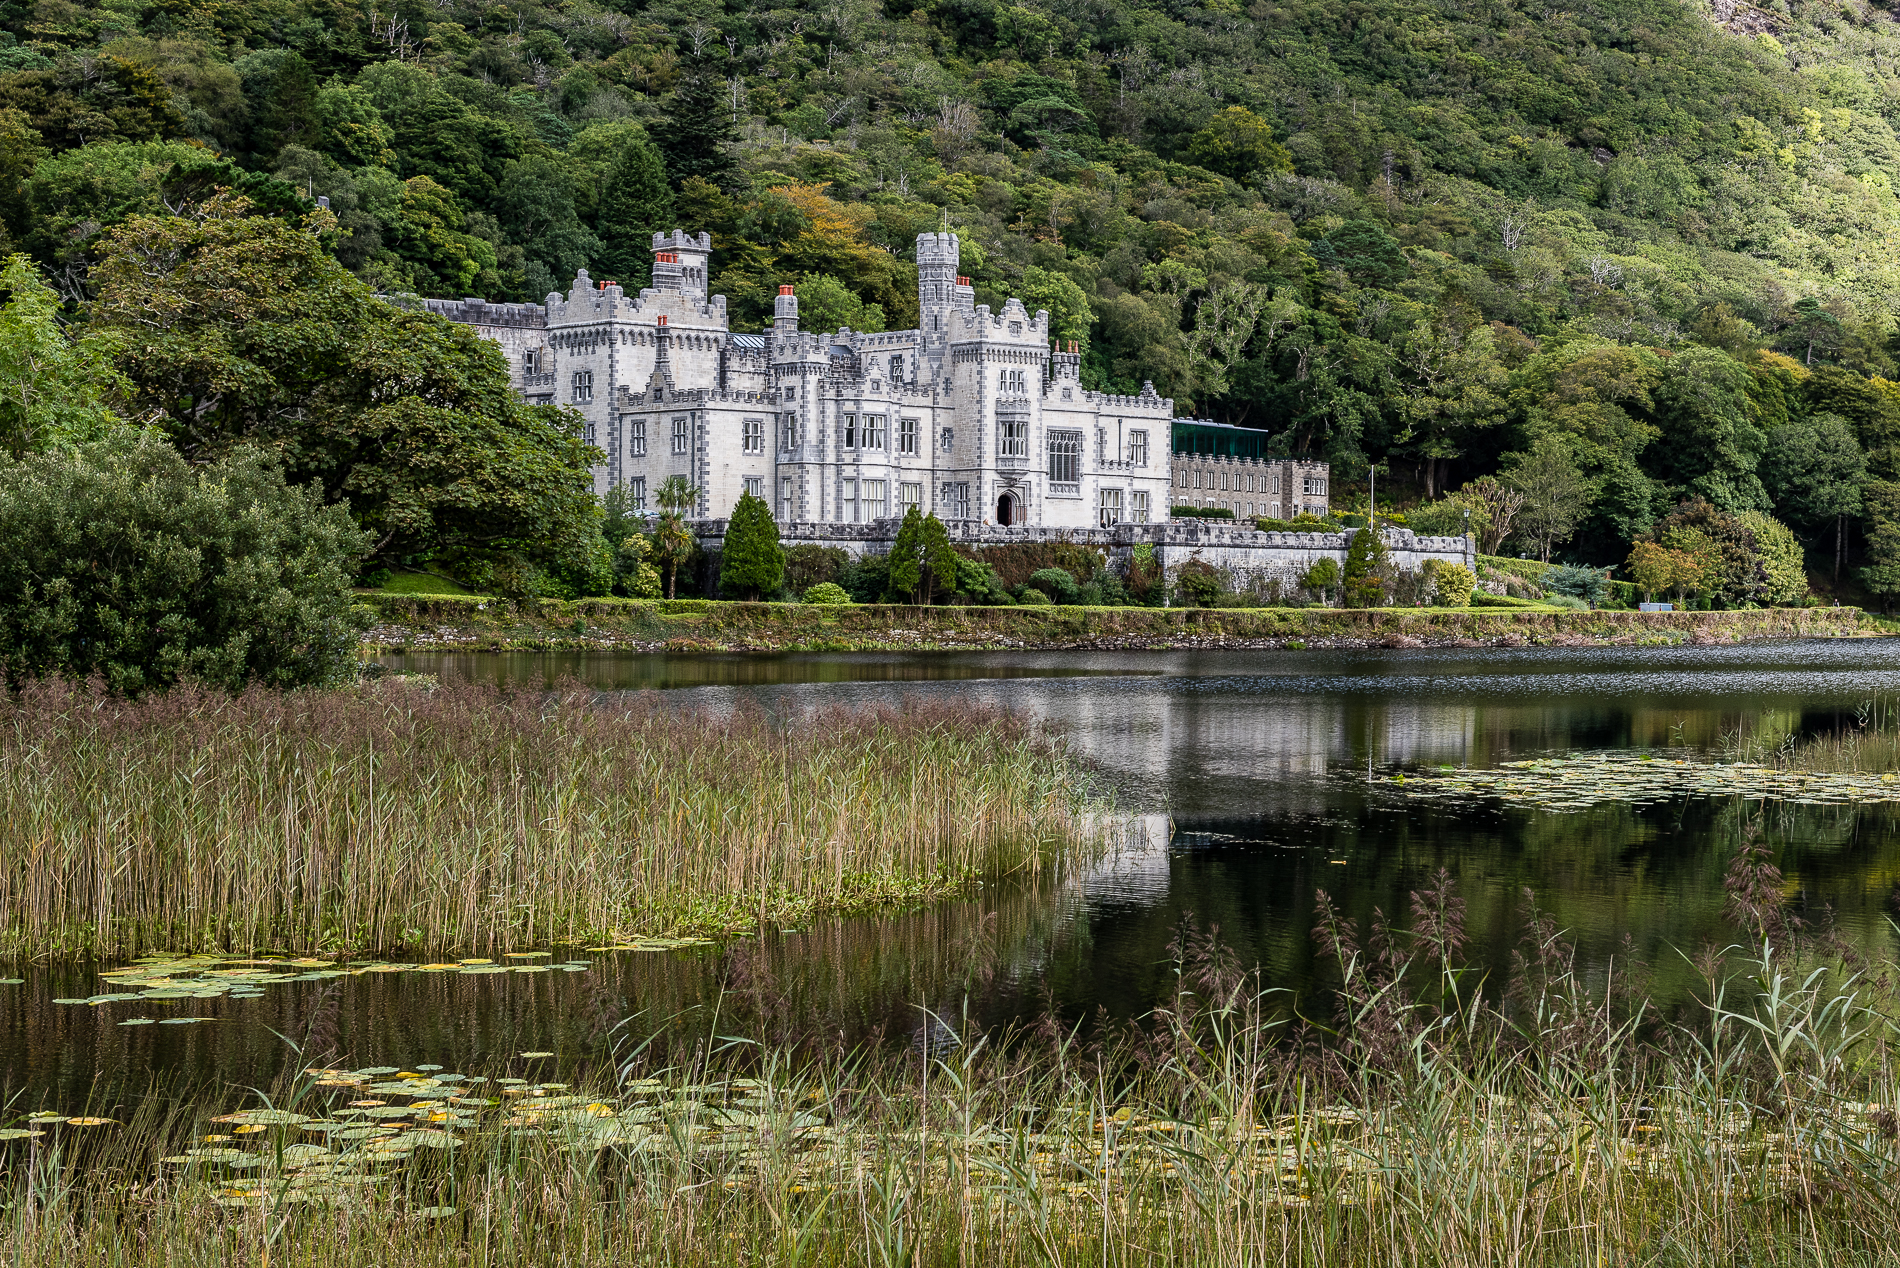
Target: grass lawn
420	583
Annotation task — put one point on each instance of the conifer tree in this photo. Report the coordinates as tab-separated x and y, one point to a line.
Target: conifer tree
752	563
699	132
906	576
922	559
1367	562
940	558
635	204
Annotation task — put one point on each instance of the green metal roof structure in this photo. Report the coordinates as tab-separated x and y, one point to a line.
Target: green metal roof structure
1222	439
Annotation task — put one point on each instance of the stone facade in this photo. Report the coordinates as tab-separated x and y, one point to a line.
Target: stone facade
972	415
1251	488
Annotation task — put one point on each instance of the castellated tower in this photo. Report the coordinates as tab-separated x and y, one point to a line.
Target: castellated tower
938	255
679	263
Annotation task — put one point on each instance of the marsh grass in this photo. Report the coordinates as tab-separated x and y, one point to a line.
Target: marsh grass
1871	743
395	817
1419	1124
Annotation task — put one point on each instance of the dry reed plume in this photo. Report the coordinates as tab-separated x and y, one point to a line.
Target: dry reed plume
391	816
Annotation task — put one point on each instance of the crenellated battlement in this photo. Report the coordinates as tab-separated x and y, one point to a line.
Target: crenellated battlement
1148	400
475	311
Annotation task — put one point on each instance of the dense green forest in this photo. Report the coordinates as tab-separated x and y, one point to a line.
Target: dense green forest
1621	255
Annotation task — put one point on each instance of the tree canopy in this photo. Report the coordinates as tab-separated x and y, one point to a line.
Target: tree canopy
237	330
120	560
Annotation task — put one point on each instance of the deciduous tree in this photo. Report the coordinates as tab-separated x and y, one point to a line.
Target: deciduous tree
239	330
53	380
1556	494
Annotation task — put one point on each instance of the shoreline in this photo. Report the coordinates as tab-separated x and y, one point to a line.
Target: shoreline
414	623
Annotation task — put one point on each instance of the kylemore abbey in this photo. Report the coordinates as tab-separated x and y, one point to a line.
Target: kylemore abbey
975	416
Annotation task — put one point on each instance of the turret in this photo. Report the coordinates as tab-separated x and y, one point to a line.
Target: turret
938	255
679	263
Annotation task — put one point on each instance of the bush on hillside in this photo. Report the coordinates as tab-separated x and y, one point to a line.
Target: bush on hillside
1057	583
826	593
1731	559
978	582
1451	584
808	565
118	560
1577	581
1199	583
1015	562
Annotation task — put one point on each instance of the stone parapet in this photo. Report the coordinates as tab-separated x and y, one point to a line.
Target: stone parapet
475	311
1240	548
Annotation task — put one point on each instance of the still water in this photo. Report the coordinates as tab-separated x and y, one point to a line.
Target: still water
1259	771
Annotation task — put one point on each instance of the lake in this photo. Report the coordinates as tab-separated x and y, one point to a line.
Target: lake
1260	778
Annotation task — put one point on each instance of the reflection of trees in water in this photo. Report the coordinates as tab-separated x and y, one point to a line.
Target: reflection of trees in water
1649	875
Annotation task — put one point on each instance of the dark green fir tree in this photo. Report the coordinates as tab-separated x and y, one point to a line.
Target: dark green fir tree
635	204
699	132
923	562
752	563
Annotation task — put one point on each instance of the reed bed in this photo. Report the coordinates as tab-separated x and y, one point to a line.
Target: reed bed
395	817
1419	1124
1870	744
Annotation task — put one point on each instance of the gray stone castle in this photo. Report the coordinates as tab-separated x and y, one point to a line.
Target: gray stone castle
974	415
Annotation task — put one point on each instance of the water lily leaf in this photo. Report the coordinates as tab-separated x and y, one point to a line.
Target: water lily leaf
264	1118
136	1021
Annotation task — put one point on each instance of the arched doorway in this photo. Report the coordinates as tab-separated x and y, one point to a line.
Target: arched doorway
1009	509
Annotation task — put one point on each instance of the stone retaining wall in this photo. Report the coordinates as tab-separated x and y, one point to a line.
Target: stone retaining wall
1253	559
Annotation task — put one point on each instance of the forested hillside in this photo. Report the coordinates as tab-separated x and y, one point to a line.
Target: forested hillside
1622	254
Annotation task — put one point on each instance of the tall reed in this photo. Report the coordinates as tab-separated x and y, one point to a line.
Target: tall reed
1565	1125
1870	744
468	817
